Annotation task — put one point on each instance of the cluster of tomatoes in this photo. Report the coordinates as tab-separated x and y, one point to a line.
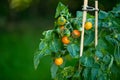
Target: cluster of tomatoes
65	34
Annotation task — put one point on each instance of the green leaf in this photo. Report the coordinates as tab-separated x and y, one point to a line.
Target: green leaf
87	61
118	37
103	15
117	55
101	75
62	10
79	14
86	73
94	73
111	63
42	44
67	32
73	50
101	44
39	54
37	58
106	59
77	74
116	9
111	40
99	54
44	47
54	70
89	37
106	24
55	45
48	34
68	71
77	22
50	43
90	16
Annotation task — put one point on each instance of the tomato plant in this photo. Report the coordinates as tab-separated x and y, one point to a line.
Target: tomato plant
100	63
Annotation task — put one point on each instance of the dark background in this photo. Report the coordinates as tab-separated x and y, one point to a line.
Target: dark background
21	28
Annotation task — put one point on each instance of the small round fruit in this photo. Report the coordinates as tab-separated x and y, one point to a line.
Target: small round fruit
61	20
59	61
62	28
65	40
67	32
76	33
88	25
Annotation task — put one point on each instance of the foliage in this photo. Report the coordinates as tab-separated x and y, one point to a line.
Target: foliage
97	63
20	4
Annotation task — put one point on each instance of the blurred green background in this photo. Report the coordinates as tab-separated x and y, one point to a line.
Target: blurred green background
21	25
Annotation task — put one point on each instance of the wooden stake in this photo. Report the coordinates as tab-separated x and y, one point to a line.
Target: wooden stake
83	24
96	22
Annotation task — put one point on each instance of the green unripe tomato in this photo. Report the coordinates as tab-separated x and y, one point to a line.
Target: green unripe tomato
61	20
